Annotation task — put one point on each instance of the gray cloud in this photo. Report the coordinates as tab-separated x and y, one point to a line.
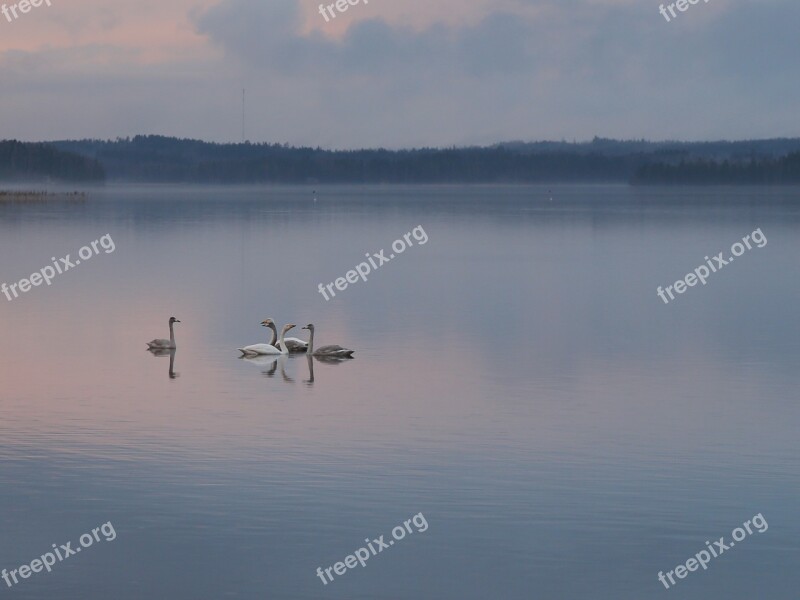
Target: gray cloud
569	69
498	43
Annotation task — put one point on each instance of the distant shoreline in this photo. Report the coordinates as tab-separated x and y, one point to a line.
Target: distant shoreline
36	196
158	159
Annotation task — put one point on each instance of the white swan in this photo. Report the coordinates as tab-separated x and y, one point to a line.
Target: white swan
293	344
259	349
165	344
332	351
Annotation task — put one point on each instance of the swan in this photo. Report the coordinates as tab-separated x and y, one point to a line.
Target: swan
293	344
165	344
326	351
256	349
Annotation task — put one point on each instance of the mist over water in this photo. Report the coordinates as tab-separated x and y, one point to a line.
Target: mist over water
516	379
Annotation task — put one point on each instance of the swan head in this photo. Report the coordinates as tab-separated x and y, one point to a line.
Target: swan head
267	322
288	327
173	320
310	327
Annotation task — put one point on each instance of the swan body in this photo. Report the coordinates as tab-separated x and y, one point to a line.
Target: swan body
263	349
330	351
259	350
161	344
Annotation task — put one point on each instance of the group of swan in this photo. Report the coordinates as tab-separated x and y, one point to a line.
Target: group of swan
286	345
283	346
292	344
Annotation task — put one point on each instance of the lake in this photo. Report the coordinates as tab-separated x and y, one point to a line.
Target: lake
517	381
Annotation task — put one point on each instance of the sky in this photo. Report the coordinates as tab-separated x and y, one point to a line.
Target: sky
400	74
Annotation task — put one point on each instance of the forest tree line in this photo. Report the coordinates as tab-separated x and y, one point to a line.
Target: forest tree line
173	160
21	161
780	171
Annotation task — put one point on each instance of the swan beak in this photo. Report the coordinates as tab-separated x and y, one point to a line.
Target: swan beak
177	321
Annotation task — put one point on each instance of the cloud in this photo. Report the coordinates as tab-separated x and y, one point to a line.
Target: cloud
499	43
411	73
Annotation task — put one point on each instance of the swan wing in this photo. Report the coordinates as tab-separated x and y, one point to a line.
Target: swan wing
259	349
294	345
329	349
334	350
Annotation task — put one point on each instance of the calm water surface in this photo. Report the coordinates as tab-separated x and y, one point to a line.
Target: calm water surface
517	380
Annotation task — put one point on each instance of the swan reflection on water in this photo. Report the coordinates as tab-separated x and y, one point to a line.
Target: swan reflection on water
162	352
269	364
326	360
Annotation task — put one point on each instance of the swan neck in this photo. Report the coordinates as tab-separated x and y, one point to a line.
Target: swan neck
274	334
283	343
310	350
171	333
